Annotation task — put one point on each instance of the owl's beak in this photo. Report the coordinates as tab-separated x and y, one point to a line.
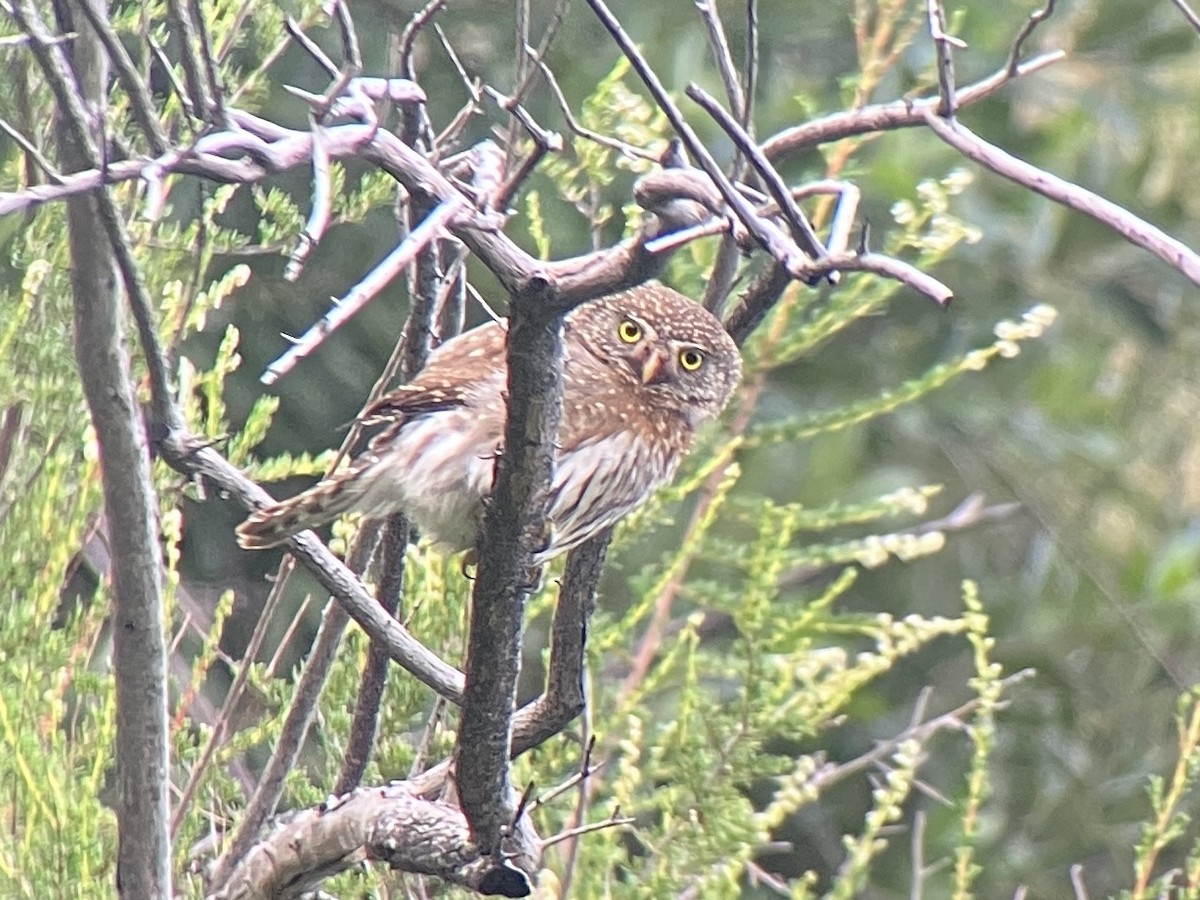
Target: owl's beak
654	369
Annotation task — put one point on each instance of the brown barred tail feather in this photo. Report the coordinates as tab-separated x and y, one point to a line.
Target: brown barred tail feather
322	503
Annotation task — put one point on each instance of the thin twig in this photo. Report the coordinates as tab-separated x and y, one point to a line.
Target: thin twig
798	224
365	720
234	31
762	231
322	203
33	152
358	296
216	736
421	752
310	46
613	821
168	69
140	104
719	44
474	88
548	35
1188	13
296	721
750	66
893	115
57	71
351	66
216	92
627	150
184	31
1035	19
942	43
407	40
832	773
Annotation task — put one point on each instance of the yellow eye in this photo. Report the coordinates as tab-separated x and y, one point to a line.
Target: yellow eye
691	359
629	331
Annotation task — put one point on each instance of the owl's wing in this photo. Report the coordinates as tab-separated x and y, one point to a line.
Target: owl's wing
463	371
410	401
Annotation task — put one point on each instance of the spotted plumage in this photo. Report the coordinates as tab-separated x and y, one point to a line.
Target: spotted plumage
642	370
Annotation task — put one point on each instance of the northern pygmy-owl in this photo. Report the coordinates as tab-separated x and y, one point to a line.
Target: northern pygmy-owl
642	369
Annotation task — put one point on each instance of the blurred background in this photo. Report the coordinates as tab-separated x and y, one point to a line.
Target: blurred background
1094	431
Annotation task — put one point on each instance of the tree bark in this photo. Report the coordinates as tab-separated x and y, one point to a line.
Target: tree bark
139	651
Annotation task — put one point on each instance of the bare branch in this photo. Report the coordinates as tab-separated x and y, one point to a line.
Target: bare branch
140	103
318	217
185	454
1188	13
141	750
832	773
1035	19
798	224
184	30
734	90
889	116
32	151
621	147
614	821
394	825
762	231
514	531
750	72
351	65
217	733
377	279
419	20
85	153
942	43
310	46
216	92
296	723
1133	229
564	697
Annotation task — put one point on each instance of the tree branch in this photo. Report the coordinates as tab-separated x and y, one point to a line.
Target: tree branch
395	825
1136	231
130	502
514	532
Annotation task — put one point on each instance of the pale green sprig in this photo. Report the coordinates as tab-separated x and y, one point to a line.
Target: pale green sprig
904	501
988	686
870	552
887	807
1169	821
1032	325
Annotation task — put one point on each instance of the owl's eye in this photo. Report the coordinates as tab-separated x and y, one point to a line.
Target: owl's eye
691	359
629	331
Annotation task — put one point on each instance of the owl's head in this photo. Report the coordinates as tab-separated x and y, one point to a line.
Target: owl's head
664	347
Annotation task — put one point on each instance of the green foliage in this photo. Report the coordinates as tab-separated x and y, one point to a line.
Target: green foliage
725	670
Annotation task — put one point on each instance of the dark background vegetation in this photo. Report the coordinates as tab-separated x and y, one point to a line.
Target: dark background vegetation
1094	430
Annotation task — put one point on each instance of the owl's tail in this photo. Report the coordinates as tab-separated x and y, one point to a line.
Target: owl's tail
322	503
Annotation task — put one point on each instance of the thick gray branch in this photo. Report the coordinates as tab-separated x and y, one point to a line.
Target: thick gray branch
514	532
392	824
139	651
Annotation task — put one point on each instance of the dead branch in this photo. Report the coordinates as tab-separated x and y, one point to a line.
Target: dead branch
1135	230
393	825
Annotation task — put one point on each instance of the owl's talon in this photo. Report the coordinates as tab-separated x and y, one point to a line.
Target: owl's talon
470	560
